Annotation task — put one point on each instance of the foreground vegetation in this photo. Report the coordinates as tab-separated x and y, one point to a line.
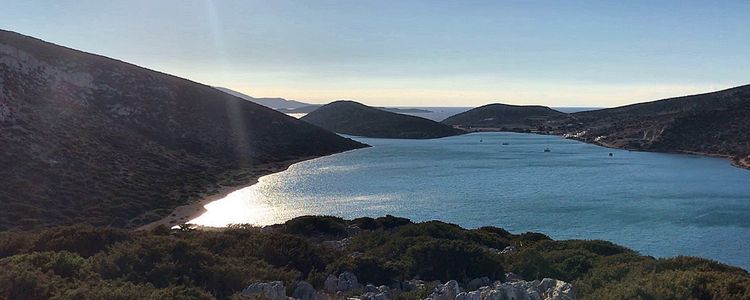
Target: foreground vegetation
85	262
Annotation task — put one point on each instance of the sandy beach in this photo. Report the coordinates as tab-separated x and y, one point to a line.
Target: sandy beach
190	211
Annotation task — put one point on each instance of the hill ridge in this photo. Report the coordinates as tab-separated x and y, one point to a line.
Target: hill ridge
89	139
354	118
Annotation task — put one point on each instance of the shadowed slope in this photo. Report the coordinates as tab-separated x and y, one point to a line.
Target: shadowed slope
88	139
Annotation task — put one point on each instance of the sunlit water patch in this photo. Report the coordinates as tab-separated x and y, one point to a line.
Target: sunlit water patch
659	204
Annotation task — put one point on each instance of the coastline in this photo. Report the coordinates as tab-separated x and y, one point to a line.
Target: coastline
184	213
738	162
742	163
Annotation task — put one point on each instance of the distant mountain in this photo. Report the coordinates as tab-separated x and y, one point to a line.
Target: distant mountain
88	139
275	103
715	123
349	117
312	107
504	117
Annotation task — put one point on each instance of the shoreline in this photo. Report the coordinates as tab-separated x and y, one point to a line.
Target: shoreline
187	212
184	213
738	162
742	163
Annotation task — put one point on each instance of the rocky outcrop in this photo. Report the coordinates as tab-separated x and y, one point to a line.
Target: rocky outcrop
346	286
304	291
546	289
447	291
376	293
268	290
346	282
477	283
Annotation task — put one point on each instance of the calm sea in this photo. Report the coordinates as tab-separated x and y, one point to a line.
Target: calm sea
658	204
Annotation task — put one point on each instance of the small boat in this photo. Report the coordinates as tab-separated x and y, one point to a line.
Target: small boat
610	154
505	144
547	150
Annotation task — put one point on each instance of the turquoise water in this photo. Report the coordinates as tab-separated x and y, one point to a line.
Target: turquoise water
658	204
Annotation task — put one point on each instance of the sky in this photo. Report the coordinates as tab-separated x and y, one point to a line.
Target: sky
415	53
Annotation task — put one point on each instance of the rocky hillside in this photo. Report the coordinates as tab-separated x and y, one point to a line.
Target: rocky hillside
715	123
504	117
88	139
349	117
331	258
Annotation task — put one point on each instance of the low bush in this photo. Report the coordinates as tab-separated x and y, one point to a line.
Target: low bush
81	262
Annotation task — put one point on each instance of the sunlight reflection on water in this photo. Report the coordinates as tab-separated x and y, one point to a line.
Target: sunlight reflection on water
577	191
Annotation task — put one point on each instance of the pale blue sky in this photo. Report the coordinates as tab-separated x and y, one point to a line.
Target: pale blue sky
415	53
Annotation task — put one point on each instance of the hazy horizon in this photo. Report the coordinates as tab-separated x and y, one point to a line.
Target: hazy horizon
415	53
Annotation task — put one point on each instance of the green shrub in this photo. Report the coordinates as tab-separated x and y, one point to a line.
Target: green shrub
530	264
389	222
79	262
446	259
316	225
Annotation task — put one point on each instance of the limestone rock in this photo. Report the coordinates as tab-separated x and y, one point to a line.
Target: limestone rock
552	289
511	277
447	291
476	283
270	290
304	291
509	250
348	282
546	289
331	284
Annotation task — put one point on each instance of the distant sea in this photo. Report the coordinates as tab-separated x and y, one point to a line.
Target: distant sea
658	204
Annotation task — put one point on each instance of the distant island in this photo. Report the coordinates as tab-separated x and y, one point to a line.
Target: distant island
297	107
504	117
352	118
279	104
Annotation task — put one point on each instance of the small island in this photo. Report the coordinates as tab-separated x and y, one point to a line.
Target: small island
504	117
353	118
